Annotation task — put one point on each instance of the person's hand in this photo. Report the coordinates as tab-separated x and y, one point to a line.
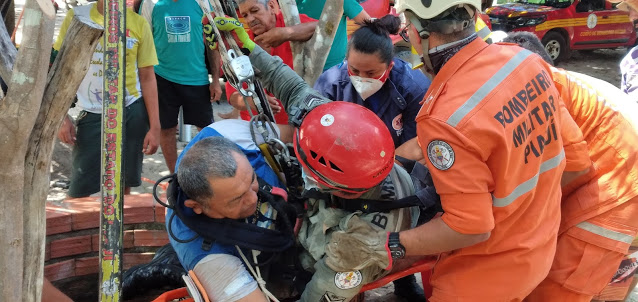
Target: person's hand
151	141
237	101
272	38
66	134
215	91
274	104
358	247
231	24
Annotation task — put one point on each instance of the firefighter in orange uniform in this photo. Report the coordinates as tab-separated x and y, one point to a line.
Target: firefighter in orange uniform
492	130
599	213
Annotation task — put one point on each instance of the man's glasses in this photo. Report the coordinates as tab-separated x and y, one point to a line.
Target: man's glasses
404	33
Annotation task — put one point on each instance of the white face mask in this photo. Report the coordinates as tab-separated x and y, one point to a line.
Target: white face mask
367	86
309	182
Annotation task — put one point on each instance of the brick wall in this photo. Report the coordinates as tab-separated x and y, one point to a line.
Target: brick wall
72	241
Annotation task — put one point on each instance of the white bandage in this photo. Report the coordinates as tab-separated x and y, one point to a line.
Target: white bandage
224	277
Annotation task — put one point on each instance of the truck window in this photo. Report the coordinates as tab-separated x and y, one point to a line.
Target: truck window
553	3
590	5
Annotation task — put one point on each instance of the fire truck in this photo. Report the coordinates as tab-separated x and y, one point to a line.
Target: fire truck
566	25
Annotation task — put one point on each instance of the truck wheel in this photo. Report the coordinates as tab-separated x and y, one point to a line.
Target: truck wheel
556	46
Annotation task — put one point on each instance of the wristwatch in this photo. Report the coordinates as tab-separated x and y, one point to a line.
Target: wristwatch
397	250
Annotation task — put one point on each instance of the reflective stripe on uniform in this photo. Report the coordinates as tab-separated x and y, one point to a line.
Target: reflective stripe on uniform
487	88
607	233
529	184
484	33
482	30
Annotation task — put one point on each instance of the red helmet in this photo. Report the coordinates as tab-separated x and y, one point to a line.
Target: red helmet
344	146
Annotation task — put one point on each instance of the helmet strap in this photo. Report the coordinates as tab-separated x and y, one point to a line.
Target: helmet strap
429	69
424	34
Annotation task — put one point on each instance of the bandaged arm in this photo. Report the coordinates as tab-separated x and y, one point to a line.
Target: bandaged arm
225	279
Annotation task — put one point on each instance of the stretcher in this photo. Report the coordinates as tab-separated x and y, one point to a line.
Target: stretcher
194	292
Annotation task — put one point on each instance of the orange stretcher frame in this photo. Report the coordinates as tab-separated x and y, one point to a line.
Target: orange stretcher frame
423	266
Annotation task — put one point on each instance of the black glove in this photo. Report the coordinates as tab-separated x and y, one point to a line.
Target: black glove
298	113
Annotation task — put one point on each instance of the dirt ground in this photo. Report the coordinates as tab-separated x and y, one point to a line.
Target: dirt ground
602	64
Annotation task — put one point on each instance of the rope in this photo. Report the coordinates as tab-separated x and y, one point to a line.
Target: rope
15	29
257	275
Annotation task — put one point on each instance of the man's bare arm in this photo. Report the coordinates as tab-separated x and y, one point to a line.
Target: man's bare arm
214	61
361	17
411	150
278	35
435	237
149	94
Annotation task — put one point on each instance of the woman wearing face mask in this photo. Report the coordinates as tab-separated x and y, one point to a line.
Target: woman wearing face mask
372	77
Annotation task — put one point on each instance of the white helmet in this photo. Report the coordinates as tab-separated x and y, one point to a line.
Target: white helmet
423	15
626	4
428	9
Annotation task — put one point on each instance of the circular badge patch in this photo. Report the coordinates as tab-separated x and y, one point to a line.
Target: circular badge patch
440	154
592	21
348	280
327	120
397	122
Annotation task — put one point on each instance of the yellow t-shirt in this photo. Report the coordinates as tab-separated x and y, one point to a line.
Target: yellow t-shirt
140	52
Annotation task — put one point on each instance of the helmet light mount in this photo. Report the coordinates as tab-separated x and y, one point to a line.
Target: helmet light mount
455	18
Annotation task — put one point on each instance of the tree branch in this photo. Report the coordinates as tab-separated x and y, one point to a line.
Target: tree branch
18	113
291	18
65	76
315	51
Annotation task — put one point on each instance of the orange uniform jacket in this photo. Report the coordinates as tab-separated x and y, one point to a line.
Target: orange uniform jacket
491	129
608	120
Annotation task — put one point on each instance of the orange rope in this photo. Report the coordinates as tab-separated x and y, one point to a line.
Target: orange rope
15	29
163	185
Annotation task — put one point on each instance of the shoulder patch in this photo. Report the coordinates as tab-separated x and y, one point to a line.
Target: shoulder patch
440	154
348	280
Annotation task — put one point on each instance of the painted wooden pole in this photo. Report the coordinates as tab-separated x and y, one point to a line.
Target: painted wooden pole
112	170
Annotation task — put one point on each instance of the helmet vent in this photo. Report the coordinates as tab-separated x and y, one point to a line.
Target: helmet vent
335	167
314	155
322	161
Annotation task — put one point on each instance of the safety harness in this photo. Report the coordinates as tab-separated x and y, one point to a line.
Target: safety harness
230	231
268	246
425	196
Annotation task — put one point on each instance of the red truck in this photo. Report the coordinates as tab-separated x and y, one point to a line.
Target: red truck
565	25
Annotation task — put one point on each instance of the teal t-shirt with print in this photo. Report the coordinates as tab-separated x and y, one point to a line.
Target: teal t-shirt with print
178	34
351	8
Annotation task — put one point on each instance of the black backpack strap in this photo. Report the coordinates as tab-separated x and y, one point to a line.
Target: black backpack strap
237	232
371	206
426	199
408	164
